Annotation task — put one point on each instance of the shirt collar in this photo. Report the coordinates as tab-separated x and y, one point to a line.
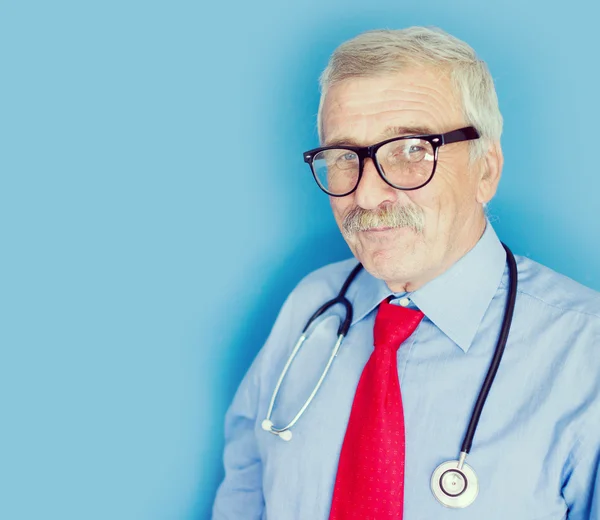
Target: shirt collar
456	300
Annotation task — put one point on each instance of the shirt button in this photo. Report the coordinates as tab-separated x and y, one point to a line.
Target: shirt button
404	302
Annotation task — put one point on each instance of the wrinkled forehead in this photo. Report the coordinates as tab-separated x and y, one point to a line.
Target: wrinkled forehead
363	109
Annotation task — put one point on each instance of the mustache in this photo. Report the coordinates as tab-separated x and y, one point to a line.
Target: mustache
359	219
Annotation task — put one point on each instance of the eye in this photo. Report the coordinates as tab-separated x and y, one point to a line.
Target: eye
415	148
346	160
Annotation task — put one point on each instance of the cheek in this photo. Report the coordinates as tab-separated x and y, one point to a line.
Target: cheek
429	199
340	206
440	200
452	184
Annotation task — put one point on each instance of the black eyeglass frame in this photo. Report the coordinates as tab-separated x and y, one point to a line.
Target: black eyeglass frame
468	133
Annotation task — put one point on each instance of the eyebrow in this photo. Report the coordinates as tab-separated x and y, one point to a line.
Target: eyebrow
388	133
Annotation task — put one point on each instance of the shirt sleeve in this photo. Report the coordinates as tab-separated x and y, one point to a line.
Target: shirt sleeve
240	495
581	489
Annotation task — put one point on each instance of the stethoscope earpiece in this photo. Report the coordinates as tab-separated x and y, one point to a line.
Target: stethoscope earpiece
284	435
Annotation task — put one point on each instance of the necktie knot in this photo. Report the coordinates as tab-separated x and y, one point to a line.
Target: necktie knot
394	324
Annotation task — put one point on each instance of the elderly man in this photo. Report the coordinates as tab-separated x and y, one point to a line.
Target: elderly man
405	423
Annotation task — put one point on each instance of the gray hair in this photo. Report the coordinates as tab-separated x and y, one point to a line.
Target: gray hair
380	52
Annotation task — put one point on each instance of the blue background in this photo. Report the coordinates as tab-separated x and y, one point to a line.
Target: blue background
155	212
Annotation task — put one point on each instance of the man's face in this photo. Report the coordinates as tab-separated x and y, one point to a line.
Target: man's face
364	111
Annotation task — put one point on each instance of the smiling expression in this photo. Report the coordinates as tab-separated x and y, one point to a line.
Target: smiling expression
363	111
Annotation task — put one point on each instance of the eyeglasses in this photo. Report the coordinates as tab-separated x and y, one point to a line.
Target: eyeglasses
405	163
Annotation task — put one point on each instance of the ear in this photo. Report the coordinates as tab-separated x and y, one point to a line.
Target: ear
490	173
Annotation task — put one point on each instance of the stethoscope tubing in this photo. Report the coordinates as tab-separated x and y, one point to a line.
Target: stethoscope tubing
340	298
446	497
345	326
342	331
315	389
495	363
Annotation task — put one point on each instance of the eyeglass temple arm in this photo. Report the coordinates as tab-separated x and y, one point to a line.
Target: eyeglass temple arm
462	134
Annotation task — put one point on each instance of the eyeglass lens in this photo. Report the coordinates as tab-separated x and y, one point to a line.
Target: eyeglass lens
405	163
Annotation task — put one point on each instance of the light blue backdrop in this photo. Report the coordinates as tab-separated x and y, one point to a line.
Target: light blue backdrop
155	212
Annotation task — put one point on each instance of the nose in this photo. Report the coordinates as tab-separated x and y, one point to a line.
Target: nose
372	190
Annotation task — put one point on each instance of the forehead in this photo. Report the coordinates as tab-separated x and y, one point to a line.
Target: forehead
361	110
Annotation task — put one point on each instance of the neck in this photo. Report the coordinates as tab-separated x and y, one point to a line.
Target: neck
455	251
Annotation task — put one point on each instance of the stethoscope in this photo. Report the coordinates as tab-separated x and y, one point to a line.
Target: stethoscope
454	483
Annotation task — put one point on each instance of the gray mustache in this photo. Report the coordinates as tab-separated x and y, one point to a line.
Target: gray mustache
359	219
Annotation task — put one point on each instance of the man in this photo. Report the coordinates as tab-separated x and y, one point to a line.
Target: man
410	132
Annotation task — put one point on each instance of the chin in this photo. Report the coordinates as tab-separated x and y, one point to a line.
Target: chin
398	264
391	271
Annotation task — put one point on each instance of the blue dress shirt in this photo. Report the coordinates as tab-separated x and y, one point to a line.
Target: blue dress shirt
536	450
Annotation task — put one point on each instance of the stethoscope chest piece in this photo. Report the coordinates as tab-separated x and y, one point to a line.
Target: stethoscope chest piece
454	487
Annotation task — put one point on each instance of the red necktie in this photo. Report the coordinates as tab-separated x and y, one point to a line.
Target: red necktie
370	476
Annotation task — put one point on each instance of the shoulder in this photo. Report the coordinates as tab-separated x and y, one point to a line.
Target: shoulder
325	281
314	289
558	322
547	288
